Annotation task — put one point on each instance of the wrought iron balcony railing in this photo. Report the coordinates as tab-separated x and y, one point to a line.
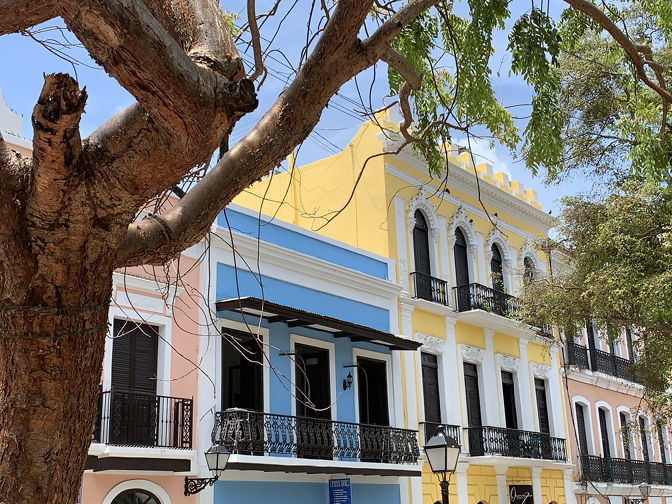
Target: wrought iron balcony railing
615	470
139	419
515	443
476	296
252	433
430	288
601	361
430	429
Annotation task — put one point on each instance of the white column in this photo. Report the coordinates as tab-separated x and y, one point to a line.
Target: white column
451	379
557	418
462	490
536	485
490	411
525	387
416	490
514	274
480	260
402	255
570	497
409	368
502	493
444	253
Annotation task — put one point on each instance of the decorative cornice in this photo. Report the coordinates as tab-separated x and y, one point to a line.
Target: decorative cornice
420	202
432	344
508	363
472	354
540	371
461	219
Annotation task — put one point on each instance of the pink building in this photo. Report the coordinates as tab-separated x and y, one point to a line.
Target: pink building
617	444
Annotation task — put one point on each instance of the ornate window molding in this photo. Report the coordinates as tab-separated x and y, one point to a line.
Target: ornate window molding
420	202
496	236
527	251
472	354
540	371
461	219
508	363
432	344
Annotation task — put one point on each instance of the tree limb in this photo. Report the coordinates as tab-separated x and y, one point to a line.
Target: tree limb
632	50
397	61
17	15
126	39
56	146
337	57
256	42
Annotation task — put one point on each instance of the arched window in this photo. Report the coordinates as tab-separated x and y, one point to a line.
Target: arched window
461	261
626	436
604	433
496	270
136	497
528	273
421	244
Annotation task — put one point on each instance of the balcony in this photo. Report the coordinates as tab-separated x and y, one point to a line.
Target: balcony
615	470
430	429
479	297
251	433
139	419
430	288
515	443
604	362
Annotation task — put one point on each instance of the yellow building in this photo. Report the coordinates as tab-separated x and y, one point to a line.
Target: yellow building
493	382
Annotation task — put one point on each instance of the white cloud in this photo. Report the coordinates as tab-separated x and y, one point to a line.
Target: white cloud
484	154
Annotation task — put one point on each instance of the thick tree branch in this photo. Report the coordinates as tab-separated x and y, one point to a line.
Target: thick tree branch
632	50
397	61
17	15
56	146
126	39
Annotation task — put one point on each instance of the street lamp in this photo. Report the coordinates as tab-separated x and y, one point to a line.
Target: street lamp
442	453
216	457
645	490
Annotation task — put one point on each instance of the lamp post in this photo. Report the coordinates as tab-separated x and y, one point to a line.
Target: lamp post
216	457
645	490
442	453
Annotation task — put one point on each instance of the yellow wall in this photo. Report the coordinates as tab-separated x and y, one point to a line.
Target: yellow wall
469	335
429	324
482	485
504	344
552	486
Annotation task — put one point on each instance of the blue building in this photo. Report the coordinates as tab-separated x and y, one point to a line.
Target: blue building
304	382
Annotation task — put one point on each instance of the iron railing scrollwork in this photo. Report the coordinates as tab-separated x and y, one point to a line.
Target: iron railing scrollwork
515	443
252	433
430	288
598	360
616	470
142	419
479	297
431	429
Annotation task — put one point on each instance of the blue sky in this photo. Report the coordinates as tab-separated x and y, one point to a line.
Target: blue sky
24	61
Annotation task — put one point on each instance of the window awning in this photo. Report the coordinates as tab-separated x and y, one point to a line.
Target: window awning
294	317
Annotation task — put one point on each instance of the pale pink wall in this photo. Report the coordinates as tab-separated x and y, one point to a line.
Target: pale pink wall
98	485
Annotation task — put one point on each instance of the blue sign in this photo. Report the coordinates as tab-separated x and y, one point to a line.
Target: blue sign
339	491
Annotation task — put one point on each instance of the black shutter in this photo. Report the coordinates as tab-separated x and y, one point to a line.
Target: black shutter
496	270
421	244
590	335
606	449
134	357
473	395
508	391
625	435
581	426
628	339
645	439
661	443
542	407
461	261
430	388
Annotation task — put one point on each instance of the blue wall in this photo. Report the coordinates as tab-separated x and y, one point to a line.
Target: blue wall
284	492
299	242
299	297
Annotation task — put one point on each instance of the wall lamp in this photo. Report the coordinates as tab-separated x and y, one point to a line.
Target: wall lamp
347	381
216	457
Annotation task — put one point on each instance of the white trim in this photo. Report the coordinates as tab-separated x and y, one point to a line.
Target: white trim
629	425
225	323
331	347
431	346
589	423
495	236
611	437
649	440
422	204
603	380
164	350
387	359
139	484
510	365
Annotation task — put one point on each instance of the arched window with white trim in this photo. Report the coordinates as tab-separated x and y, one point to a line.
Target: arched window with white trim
497	269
